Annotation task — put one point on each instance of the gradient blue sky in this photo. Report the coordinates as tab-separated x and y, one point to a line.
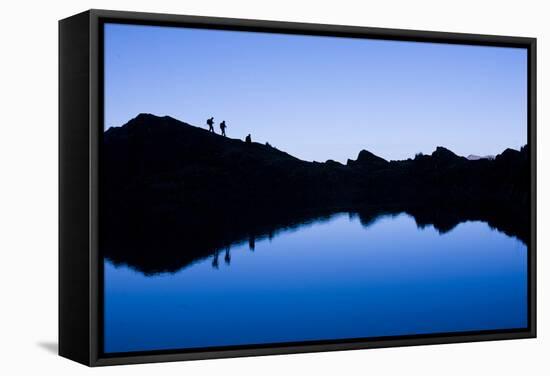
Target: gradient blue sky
321	98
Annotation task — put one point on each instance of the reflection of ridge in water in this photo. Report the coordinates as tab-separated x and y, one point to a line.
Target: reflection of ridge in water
387	278
366	222
270	235
173	250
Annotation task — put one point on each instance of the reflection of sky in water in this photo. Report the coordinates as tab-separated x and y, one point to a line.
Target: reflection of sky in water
331	280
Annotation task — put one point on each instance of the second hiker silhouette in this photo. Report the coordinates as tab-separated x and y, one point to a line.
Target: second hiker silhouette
248	139
210	123
222	127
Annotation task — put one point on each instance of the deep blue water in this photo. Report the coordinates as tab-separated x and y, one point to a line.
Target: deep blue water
328	280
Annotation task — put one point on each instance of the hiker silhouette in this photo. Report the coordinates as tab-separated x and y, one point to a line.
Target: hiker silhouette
210	123
222	127
248	139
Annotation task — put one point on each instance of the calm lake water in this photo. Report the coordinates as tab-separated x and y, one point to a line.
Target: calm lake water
333	279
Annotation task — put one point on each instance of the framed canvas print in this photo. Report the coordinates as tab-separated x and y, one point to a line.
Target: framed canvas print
240	187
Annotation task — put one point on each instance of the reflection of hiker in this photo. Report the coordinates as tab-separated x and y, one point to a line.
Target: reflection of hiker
215	260
222	127
248	139
227	257
210	123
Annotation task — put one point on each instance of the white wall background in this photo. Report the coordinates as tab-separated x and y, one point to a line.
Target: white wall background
28	186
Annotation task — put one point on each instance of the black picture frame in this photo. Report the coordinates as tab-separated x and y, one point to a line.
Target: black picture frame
80	131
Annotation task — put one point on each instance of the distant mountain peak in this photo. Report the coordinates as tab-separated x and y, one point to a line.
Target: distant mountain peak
440	151
365	155
473	157
445	154
146	115
147	118
509	151
367	159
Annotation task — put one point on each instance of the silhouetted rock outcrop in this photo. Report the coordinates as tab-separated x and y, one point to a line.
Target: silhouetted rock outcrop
367	160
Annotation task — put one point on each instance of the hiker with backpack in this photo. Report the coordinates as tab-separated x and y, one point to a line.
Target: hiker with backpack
222	127
210	123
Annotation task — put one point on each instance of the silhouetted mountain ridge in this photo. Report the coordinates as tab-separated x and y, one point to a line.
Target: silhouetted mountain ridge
160	176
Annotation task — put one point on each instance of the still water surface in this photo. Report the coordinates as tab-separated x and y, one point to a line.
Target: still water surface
327	280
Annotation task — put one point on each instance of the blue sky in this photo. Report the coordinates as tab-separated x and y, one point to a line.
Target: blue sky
321	98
